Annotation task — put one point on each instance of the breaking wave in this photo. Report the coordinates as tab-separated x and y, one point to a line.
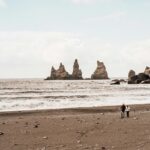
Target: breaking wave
39	94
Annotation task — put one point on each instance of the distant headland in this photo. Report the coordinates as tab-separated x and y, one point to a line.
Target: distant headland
62	74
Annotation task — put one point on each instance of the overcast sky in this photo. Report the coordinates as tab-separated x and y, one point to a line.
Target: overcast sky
36	34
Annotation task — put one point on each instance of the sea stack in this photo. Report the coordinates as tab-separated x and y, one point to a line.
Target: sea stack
131	74
141	78
77	73
100	72
147	71
53	73
60	74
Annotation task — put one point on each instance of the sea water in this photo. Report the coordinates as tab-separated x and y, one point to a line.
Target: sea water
35	94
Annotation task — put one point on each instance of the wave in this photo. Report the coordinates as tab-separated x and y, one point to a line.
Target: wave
38	94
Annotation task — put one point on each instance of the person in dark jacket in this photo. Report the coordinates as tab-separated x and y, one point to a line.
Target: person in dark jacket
123	108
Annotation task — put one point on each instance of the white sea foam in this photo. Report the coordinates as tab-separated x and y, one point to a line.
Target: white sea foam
38	94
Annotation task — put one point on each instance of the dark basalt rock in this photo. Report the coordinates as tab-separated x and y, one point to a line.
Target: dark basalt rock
77	73
117	82
146	82
62	74
59	74
143	77
122	80
131	74
133	80
147	71
140	78
100	72
53	73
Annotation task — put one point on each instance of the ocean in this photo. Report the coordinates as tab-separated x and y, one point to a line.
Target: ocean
36	94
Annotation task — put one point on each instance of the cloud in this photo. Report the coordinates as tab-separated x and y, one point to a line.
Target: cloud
87	2
31	54
35	49
137	54
83	1
113	16
2	3
35	45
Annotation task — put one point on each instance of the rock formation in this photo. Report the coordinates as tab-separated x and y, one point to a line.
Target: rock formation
143	78
53	73
131	74
147	71
115	82
60	74
77	73
146	82
100	72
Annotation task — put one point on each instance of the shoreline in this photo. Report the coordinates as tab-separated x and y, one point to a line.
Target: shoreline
99	109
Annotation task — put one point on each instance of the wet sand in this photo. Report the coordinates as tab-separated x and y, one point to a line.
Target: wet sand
76	129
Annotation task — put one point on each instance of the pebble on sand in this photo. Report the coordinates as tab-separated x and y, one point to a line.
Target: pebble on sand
1	133
45	137
36	126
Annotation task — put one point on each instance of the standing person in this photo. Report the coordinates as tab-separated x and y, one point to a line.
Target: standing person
123	107
127	111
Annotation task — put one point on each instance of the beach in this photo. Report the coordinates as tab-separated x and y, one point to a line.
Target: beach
69	71
97	128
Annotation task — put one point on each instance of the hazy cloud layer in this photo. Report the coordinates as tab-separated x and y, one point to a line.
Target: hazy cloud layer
83	1
109	17
2	3
32	54
87	2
